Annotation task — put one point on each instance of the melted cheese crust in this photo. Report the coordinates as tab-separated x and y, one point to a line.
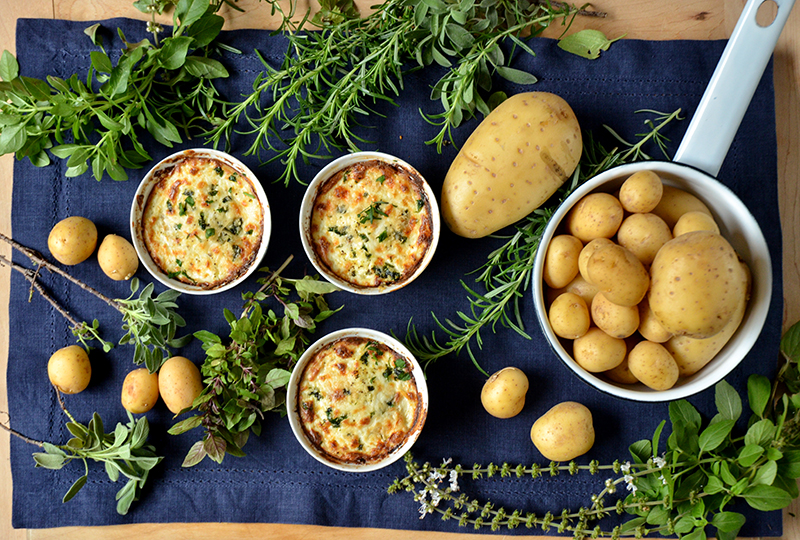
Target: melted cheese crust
357	400
203	222
371	223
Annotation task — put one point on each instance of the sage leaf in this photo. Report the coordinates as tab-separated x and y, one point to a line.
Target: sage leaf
126	496
75	488
586	43
517	76
48	461
766	498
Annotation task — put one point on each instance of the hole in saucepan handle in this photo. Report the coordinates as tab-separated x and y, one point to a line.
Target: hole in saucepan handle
766	13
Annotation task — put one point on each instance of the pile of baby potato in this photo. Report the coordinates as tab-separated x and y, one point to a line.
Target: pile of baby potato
72	241
642	285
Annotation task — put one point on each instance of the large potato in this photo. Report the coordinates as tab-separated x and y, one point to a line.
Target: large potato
72	240
564	432
676	202
69	369
514	161
561	260
696	284
692	354
618	274
503	394
117	258
179	383
139	391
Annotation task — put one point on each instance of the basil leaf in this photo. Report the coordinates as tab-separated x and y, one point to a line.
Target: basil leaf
206	68
766	498
728	402
759	390
9	67
173	52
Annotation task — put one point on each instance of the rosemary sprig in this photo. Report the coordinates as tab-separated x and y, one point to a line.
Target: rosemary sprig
506	274
703	469
246	377
332	79
122	452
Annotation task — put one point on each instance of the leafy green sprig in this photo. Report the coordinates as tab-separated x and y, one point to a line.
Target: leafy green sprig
123	451
704	469
246	377
161	87
506	275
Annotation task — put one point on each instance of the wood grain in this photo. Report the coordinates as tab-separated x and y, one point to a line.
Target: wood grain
636	19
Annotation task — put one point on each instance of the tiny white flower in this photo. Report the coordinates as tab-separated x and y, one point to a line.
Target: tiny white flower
626	467
453	481
153	27
632	488
435	476
659	462
435	498
423	510
663	480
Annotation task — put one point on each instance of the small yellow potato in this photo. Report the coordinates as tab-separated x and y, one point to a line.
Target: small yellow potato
139	391
564	432
117	258
649	326
643	235
641	192
518	156
695	221
596	351
69	369
692	354
179	383
675	202
561	260
618	274
503	394
653	365
696	284
582	288
615	320
587	252
569	316
72	240
598	215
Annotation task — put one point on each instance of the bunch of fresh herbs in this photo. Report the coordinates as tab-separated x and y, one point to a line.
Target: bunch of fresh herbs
696	478
162	87
246	377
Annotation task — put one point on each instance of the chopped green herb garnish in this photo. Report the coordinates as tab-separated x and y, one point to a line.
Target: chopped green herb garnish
190	200
248	194
202	221
210	232
169	206
420	204
219	171
383	235
182	209
233	177
372	212
341	231
315	394
381	179
387	272
178	226
222	209
213	191
335	421
236	251
179	262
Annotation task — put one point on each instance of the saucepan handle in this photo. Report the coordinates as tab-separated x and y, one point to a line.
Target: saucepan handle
725	101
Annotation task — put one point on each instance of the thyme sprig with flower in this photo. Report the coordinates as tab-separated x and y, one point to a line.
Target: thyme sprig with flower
506	275
700	476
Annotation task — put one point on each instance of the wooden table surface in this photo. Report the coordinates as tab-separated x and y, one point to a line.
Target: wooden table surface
641	19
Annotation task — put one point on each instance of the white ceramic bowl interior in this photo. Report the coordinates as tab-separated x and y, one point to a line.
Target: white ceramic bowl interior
292	406
307	206
736	224
140	200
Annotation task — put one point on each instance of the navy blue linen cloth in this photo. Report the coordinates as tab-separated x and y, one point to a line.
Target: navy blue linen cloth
277	481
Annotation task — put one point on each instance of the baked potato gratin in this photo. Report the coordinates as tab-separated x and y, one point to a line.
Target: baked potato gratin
203	222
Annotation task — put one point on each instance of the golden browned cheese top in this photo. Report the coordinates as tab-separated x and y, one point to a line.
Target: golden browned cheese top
203	222
358	400
371	223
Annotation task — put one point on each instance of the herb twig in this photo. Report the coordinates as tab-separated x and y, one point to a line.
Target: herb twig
122	452
506	274
150	321
246	377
